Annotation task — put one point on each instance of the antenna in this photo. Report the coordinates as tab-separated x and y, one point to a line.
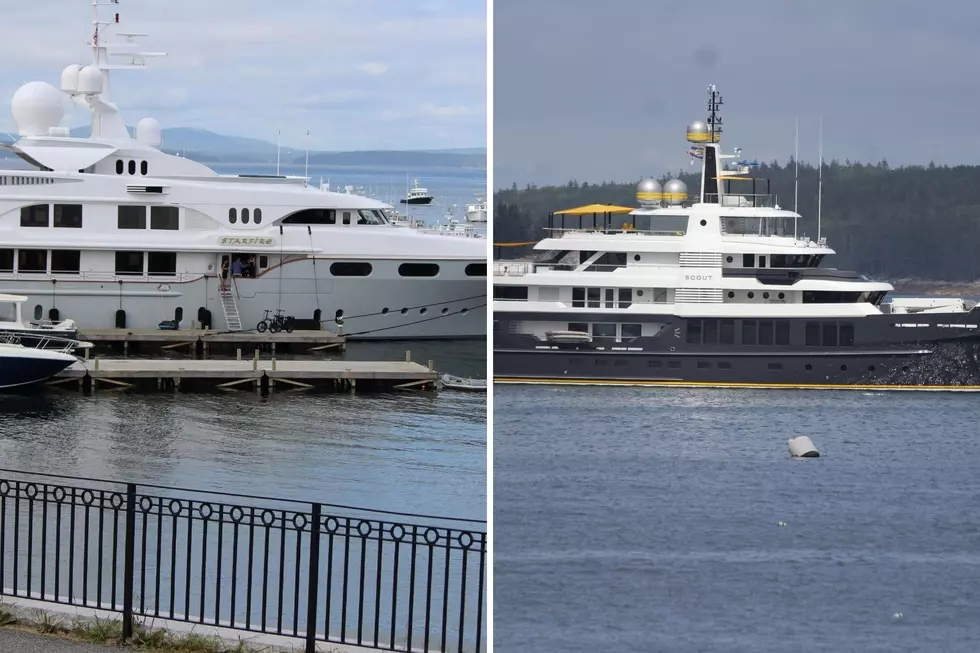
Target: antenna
820	182
306	173
714	120
278	139
796	177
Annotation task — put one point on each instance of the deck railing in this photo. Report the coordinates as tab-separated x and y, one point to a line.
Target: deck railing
313	571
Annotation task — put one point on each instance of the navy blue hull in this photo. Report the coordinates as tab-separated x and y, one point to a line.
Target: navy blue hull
26	373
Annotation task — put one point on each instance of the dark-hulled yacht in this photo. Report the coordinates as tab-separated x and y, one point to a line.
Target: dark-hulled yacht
721	291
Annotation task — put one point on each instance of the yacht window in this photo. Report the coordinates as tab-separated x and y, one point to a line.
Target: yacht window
727	332
347	218
765	332
594	297
380	215
812	334
694	332
625	297
748	260
670	225
35	215
131	217
777	261
350	269
710	332
244	216
829	334
312	216
6	260
514	293
847	335
164	217
578	297
32	260
631	331
476	270
68	215
750	335
762	261
257	216
143	168
782	333
8	312
370	217
119	166
418	269
129	262
132	167
263	260
582	327
162	263
610	298
604	330
608	262
66	261
233	215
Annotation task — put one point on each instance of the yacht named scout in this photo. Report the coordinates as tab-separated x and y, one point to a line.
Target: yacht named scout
721	292
110	231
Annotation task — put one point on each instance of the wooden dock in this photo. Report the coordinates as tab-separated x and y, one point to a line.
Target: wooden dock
200	343
252	374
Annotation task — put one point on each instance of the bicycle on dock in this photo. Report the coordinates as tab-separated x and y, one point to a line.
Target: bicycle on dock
275	323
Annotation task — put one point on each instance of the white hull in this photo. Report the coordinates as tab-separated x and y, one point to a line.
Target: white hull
451	308
476	213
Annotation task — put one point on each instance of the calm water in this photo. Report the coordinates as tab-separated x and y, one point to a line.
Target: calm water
649	520
406	452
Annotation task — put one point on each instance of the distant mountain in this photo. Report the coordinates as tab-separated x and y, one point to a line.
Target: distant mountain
207	146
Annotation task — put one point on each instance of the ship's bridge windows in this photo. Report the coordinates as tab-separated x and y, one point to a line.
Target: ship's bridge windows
129	263
35	215
312	216
131	216
66	261
831	297
365	216
6	260
510	293
769	225
68	215
664	225
164	217
32	260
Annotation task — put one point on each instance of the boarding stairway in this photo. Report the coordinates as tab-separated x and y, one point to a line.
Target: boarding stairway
229	304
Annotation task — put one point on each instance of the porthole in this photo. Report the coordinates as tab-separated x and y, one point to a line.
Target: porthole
843	368
639	293
765	295
384	311
782	295
119	166
233	215
143	168
636	257
731	295
244	216
871	368
132	167
729	259
704	223
751	295
404	310
423	311
464	311
257	216
445	310
808	367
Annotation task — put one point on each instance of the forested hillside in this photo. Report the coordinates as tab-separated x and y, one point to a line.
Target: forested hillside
891	223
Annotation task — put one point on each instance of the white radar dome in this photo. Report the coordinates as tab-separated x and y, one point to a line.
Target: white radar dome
148	132
90	80
37	107
69	78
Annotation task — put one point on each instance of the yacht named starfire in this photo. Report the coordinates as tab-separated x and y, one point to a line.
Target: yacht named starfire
111	231
722	292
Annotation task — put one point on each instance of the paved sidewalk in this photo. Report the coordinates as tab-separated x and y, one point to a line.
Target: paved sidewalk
19	641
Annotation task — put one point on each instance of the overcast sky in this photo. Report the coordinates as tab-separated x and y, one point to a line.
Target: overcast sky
604	90
361	74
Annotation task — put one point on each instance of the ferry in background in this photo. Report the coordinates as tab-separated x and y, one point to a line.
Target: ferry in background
417	195
721	291
111	232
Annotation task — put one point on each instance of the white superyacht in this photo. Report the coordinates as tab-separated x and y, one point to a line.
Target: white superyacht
111	231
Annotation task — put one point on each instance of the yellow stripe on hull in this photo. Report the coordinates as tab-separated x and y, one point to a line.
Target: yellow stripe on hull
722	384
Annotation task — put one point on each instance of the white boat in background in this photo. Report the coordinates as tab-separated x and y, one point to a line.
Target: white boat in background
12	322
461	383
477	212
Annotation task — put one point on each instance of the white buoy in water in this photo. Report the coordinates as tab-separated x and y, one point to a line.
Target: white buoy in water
802	447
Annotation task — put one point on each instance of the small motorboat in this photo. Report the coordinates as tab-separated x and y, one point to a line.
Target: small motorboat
462	383
24	367
417	195
32	334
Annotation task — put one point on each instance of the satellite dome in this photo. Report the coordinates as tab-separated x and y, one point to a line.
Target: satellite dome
69	78
37	107
649	193
148	132
675	191
90	80
699	132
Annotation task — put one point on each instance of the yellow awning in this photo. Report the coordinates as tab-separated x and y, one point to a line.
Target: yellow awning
596	208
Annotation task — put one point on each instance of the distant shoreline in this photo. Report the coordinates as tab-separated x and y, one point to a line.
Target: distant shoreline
944	288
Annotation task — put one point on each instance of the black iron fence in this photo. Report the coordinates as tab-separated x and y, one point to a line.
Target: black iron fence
315	571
